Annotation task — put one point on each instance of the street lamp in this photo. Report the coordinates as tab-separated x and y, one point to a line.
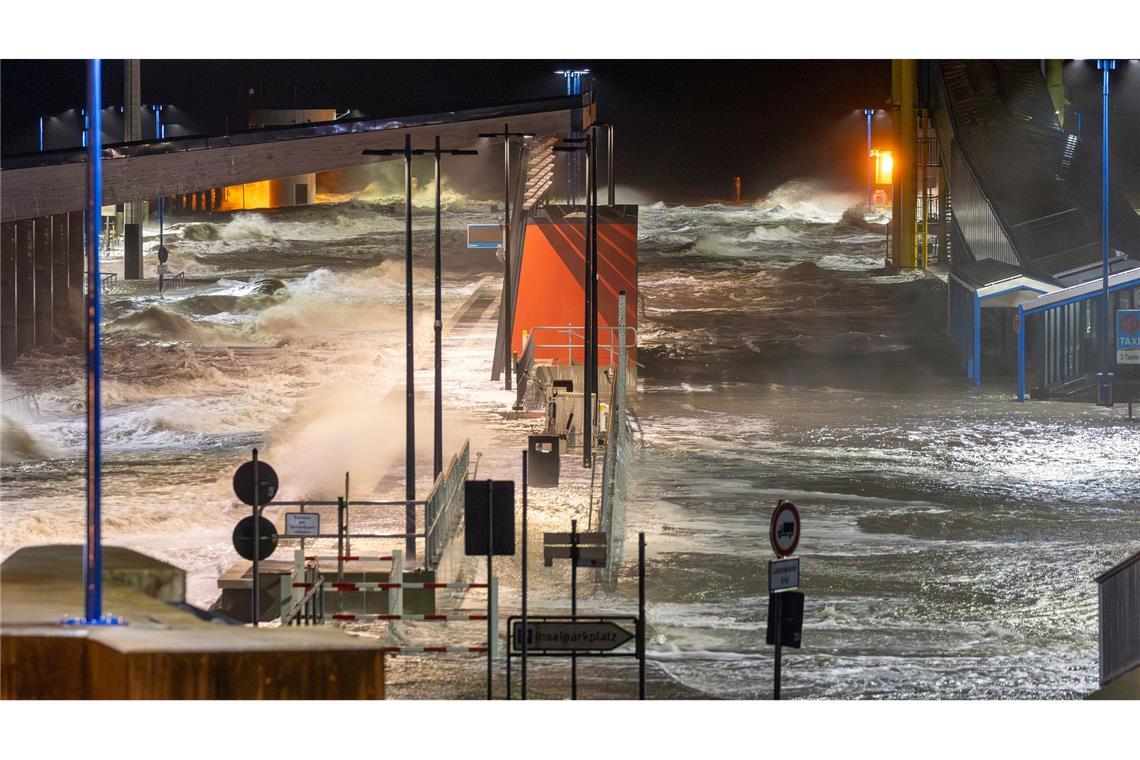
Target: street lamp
1104	398
869	112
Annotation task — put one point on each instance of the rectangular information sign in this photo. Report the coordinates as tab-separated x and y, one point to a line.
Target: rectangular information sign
307	524
1128	336
484	236
783	574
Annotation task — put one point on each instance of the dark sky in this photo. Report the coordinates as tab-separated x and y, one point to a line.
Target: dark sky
683	129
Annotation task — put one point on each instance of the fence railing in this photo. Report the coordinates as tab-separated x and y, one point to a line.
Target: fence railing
23	405
109	282
444	507
611	511
1119	602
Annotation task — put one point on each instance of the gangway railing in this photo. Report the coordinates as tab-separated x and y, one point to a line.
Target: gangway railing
442	512
611	510
22	405
444	507
546	340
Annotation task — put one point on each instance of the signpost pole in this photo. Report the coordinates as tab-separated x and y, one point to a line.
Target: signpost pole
437	450
409	363
254	606
588	350
641	615
524	585
490	575
573	603
778	615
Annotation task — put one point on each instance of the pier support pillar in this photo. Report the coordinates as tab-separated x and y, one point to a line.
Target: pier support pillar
132	246
134	213
76	274
25	287
7	293
44	336
59	304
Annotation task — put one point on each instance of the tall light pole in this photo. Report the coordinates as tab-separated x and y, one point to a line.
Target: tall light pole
589	287
1104	398
869	112
93	545
438	152
409	360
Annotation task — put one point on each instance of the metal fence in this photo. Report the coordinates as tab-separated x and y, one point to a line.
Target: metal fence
615	461
444	507
1119	601
23	405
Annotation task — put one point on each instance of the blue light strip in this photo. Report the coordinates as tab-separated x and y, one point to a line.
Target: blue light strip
41	134
93	550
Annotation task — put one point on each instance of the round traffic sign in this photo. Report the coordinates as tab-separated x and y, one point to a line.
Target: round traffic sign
163	254
243	538
785	530
243	483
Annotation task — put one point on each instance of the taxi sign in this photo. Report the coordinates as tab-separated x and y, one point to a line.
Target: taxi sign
1128	336
785	529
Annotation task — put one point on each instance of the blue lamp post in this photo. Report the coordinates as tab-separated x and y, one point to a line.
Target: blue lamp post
1104	398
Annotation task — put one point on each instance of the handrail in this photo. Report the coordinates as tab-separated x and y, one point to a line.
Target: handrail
23	402
442	512
110	280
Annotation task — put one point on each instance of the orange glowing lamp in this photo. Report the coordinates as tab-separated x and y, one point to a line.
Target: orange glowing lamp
884	166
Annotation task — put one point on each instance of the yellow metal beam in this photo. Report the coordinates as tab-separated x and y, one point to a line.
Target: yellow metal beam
1055	81
904	94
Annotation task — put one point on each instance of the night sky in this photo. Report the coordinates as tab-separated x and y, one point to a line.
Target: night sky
683	129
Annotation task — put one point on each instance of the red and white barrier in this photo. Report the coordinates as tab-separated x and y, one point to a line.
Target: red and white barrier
362	618
353	558
396	586
434	650
387	585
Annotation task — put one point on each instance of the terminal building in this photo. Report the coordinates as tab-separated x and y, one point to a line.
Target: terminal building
1005	186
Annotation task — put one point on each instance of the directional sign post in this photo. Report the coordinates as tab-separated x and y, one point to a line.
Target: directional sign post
784	534
573	636
551	635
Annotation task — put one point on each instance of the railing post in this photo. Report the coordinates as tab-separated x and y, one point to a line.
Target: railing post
396	595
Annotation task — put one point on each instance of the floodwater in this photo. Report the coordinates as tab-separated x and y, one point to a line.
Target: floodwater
950	535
